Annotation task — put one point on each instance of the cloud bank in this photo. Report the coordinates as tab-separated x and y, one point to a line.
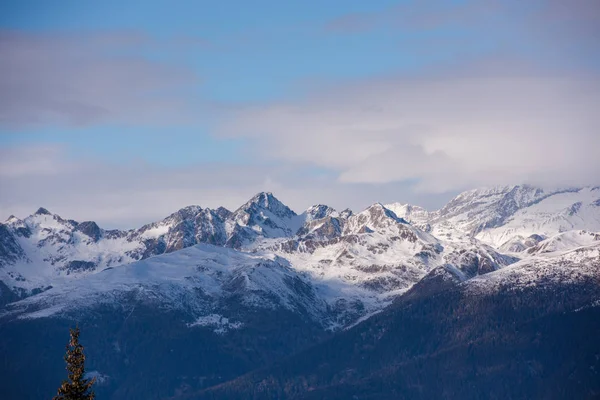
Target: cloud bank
445	133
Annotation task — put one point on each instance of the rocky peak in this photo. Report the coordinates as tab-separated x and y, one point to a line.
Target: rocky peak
375	218
318	211
185	213
223	213
320	222
42	211
378	212
14	222
45	219
266	201
347	213
90	229
263	215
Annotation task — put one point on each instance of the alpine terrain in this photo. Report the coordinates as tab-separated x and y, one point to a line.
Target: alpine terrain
495	295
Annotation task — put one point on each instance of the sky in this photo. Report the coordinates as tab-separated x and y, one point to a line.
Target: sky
123	112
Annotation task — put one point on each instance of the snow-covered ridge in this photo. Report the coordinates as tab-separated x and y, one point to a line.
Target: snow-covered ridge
500	215
335	267
578	265
196	279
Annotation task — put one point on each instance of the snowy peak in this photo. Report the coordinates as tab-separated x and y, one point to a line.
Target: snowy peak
415	215
262	216
507	217
321	222
45	218
547	215
266	201
487	208
12	219
376	218
317	212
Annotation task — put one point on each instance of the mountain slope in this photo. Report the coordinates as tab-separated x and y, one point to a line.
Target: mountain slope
522	332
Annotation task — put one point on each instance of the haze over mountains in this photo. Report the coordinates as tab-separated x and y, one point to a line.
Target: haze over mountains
214	293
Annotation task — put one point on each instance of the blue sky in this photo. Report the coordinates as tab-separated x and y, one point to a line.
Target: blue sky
240	52
347	102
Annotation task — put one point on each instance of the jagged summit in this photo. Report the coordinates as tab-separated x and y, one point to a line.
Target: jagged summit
379	211
90	229
12	219
266	201
223	212
185	213
375	218
346	213
42	211
319	211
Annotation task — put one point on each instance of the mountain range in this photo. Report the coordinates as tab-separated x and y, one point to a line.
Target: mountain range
262	302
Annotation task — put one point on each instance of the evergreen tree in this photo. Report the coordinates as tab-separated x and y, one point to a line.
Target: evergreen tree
75	387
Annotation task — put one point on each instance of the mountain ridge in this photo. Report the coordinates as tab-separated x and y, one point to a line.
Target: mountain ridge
240	290
376	252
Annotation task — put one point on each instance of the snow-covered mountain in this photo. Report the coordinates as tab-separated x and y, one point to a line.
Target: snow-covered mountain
207	295
340	266
500	215
198	280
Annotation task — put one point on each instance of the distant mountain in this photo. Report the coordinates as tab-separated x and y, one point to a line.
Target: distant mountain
262	282
499	215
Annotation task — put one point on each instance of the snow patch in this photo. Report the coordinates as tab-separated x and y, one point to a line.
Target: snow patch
156	232
220	323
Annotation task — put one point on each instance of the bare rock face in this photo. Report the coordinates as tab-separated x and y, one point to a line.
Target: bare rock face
90	229
10	250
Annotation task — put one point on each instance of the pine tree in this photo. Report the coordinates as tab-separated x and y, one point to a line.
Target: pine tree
76	387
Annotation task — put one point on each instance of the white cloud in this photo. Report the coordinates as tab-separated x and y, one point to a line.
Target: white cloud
446	132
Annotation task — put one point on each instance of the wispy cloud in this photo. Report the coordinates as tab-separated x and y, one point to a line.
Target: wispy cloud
85	78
